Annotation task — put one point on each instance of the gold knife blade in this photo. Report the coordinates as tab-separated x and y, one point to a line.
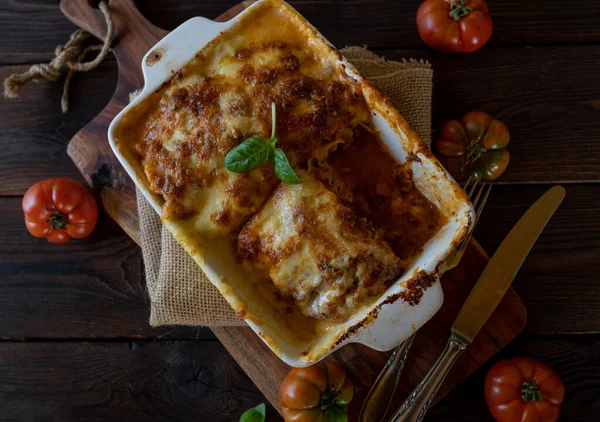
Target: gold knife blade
504	265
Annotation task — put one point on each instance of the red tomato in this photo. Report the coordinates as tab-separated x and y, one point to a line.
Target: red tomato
454	26
59	209
522	389
318	393
474	147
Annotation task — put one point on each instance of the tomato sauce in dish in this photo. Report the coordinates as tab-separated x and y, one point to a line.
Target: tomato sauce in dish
383	192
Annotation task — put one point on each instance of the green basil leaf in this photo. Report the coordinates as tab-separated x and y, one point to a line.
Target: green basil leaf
257	414
272	142
248	155
270	155
283	170
271	151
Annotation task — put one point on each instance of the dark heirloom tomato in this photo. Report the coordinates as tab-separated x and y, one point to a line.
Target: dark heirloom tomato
474	147
454	26
59	209
522	389
319	393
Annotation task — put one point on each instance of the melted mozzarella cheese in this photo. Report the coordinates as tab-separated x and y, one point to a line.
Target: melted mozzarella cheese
314	248
222	97
318	252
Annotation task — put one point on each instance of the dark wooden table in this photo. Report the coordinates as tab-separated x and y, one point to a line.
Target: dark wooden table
75	343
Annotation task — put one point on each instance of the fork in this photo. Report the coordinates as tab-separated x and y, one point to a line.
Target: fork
380	396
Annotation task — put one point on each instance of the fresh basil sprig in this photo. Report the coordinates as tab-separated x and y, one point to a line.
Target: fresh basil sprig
283	170
255	151
248	155
256	414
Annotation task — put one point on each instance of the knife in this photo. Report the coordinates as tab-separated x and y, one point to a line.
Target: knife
483	299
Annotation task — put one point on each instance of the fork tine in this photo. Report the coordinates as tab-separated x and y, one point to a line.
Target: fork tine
475	200
466	184
472	187
481	205
478	205
394	366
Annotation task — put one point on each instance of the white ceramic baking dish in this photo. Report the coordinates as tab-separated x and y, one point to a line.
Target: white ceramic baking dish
391	319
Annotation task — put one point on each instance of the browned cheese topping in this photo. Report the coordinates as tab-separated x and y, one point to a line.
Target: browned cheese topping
332	244
318	251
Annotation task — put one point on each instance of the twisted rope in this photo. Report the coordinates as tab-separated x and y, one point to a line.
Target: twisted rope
68	58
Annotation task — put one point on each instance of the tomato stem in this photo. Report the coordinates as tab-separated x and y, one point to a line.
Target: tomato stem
57	220
458	10
475	150
531	391
329	404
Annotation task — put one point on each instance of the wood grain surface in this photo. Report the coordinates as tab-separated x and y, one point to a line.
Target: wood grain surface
560	108
124	381
92	289
62	308
389	24
363	364
559	281
92	157
198	381
556	274
134	36
39	26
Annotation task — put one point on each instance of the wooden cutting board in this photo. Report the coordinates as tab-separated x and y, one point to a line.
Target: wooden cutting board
90	151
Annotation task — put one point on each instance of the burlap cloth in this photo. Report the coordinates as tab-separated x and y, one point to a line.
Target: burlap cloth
180	293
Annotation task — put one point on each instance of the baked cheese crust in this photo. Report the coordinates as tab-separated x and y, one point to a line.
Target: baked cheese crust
318	251
315	249
224	96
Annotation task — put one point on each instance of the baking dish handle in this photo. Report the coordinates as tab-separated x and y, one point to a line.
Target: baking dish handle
171	53
399	320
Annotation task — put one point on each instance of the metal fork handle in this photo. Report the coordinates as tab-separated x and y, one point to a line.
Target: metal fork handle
380	396
417	404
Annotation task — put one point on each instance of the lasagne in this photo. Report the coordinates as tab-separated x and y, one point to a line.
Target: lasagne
318	251
327	247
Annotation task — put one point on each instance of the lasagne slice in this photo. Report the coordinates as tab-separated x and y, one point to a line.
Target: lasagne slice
223	96
183	145
318	252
